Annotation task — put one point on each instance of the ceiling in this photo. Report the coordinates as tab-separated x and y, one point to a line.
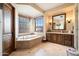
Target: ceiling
27	10
47	6
32	9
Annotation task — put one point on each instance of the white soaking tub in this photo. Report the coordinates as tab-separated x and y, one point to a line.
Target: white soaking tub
28	41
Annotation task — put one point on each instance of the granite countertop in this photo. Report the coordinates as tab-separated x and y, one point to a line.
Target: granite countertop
61	33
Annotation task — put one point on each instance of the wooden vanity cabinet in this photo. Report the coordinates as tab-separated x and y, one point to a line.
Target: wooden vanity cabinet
64	39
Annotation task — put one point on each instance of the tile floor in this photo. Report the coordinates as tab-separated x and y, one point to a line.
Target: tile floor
43	49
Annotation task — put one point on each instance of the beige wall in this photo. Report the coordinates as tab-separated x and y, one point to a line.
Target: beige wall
71	13
69	16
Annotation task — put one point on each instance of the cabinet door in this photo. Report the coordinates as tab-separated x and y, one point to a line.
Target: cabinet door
68	40
53	38
62	39
48	37
8	32
59	39
72	42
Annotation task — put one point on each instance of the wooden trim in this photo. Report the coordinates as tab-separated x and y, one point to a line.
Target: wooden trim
8	5
25	16
35	24
13	27
64	21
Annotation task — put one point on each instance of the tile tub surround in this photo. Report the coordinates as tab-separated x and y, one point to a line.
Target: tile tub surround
28	43
43	49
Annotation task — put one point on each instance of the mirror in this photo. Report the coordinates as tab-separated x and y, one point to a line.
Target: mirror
59	22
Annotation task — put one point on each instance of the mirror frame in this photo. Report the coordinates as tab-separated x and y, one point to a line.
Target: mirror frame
64	21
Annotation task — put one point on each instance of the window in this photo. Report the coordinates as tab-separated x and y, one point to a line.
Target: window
24	24
39	24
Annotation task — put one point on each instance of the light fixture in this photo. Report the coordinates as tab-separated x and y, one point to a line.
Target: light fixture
69	20
50	22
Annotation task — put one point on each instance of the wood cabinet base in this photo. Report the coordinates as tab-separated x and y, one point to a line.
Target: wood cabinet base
64	39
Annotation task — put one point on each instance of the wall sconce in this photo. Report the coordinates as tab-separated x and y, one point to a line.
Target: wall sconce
50	22
69	20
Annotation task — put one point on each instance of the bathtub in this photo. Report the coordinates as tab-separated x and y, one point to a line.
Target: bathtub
28	41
